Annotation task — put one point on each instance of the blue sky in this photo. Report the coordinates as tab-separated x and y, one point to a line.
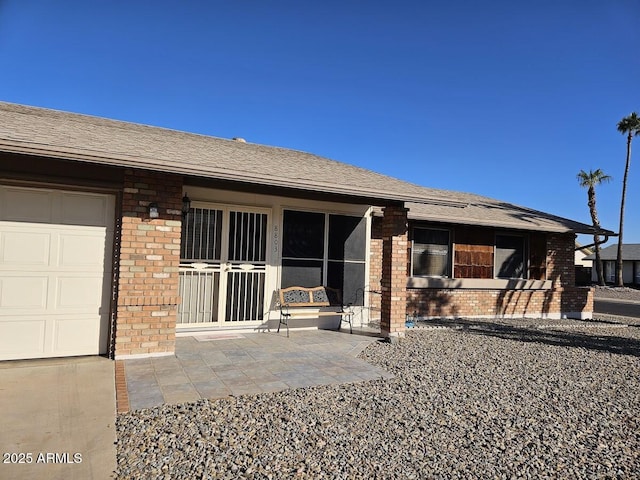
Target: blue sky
501	98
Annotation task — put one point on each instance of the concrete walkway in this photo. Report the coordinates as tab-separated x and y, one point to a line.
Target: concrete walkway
219	365
58	417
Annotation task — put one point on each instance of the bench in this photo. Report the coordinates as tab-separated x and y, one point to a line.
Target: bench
325	297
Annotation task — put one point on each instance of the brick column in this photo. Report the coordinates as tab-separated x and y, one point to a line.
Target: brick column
394	272
148	291
561	259
569	300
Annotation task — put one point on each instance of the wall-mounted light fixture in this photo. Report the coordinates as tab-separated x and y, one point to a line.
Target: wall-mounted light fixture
186	205
153	210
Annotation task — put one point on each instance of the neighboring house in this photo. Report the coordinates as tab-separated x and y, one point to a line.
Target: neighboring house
115	237
630	263
583	266
581	254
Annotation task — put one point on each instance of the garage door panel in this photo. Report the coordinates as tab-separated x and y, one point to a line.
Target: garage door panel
27	205
79	292
19	336
76	336
84	209
82	250
24	247
26	293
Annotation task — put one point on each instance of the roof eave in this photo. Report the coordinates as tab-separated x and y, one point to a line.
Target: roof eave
206	172
582	229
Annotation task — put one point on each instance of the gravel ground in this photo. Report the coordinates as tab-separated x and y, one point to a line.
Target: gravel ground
481	400
618	293
621	293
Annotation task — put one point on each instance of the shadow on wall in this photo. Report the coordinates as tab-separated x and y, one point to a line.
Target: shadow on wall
559	338
564	297
556	281
432	303
514	302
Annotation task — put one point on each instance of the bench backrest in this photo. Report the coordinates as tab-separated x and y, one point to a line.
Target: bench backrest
310	297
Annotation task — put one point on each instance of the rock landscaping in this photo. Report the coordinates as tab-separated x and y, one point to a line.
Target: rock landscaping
621	293
477	399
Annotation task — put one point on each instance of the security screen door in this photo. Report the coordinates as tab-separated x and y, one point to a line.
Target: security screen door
222	267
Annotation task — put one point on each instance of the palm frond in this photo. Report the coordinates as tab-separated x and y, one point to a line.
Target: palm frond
630	125
592	178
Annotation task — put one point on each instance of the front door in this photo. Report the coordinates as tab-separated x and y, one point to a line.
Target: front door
223	267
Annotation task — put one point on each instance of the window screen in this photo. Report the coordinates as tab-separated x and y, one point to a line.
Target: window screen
347	238
430	252
302	249
307	263
348	277
510	255
301	273
303	235
347	257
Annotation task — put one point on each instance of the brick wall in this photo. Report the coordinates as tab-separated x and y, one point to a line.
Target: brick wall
561	259
561	270
483	303
556	265
394	272
148	292
375	268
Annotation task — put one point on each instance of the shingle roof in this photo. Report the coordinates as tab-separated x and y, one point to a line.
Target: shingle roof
494	213
630	251
51	133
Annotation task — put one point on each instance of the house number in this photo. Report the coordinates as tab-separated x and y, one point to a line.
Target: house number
276	238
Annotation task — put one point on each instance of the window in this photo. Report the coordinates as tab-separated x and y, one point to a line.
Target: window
347	257
303	249
609	271
510	256
325	249
430	253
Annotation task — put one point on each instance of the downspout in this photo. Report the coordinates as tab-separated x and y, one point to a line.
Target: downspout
605	240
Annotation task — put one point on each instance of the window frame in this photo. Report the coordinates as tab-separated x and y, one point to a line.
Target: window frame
525	255
449	273
326	260
322	261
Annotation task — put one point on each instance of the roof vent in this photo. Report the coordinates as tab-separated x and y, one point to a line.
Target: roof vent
239	139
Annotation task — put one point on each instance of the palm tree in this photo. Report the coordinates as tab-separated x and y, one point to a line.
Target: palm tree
590	180
630	126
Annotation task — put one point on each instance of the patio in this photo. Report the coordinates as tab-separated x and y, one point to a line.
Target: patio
218	365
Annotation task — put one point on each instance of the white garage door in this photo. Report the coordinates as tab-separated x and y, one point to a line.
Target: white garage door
55	265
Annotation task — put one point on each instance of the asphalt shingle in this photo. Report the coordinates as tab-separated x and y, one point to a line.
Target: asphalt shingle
630	252
56	134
